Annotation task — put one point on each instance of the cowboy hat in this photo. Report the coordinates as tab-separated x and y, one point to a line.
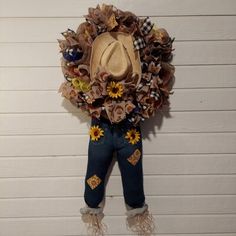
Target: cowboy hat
114	52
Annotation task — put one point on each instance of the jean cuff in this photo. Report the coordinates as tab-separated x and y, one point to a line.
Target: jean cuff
90	210
134	211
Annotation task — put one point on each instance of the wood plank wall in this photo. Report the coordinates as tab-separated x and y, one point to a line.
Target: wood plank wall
189	157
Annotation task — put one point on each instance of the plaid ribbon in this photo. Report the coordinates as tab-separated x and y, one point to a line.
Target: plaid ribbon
139	43
147	26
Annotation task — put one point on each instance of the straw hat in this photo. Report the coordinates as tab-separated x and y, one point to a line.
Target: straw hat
114	51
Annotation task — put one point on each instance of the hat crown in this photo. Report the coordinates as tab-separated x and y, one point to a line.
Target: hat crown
115	60
114	52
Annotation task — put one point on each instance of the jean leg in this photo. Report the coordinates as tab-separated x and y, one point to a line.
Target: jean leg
132	173
100	155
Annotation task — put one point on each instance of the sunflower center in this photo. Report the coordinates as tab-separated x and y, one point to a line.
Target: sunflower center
115	90
133	136
96	133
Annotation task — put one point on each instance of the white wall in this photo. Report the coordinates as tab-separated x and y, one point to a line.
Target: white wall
189	158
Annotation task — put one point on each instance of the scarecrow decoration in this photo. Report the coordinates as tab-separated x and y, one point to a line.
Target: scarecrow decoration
117	69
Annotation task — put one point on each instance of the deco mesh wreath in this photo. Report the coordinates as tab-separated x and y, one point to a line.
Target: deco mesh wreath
133	98
117	67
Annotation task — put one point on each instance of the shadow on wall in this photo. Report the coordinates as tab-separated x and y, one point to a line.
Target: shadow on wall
82	116
149	125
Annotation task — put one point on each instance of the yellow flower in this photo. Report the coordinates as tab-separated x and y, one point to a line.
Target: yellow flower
96	132
133	136
85	87
115	90
80	85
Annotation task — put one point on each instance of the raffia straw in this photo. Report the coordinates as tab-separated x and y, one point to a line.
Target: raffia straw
142	223
95	226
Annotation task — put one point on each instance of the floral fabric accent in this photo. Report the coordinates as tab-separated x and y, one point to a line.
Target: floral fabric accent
94	181
134	158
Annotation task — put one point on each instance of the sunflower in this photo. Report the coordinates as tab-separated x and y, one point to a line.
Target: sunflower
115	90
96	132
133	136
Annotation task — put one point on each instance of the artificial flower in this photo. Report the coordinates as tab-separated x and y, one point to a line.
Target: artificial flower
80	85
96	132
133	136
115	90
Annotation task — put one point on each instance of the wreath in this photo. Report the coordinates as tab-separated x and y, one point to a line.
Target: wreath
101	96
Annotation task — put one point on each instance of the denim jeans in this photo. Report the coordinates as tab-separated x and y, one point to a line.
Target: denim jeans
100	154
